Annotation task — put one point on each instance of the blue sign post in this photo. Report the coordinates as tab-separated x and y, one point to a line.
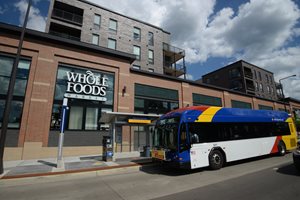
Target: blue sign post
65	108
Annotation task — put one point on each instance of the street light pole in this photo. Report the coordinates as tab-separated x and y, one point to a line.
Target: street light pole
11	90
283	98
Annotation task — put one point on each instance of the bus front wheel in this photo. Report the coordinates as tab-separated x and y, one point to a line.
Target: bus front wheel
216	160
281	148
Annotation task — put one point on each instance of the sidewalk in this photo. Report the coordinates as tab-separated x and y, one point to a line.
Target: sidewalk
46	167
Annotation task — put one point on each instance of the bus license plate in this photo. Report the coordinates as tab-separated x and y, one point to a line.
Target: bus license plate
159	154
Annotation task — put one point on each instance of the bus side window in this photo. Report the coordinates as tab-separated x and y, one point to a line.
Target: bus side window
183	139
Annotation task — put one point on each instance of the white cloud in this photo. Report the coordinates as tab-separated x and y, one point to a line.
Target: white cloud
35	21
260	32
283	63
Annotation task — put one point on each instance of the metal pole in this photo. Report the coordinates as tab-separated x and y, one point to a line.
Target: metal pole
282	94
60	163
10	91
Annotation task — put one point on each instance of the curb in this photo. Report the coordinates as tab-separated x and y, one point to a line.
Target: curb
73	171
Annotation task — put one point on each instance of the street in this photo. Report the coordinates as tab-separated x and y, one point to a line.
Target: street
269	177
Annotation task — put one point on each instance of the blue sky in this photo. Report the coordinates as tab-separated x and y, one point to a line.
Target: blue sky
213	33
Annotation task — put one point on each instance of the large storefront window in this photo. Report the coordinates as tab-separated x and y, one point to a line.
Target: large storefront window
89	93
200	99
6	64
240	104
154	100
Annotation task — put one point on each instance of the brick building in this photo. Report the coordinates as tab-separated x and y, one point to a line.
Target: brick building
84	21
96	80
244	77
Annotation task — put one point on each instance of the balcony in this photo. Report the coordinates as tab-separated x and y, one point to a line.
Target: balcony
67	13
64	32
67	16
250	85
174	63
248	73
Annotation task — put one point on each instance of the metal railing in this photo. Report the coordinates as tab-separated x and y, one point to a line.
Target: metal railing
65	15
171	48
64	35
171	65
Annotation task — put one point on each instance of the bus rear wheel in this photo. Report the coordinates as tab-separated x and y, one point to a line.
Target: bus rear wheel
216	160
281	148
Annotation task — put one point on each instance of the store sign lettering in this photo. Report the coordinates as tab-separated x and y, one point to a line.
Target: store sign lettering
86	86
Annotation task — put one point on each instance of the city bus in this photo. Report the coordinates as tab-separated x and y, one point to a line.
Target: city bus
200	136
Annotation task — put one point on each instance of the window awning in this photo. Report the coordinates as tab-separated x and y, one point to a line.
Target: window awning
128	118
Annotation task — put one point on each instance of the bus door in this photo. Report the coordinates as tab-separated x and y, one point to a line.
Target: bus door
198	151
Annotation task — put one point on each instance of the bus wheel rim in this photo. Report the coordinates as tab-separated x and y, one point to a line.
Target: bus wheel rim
216	159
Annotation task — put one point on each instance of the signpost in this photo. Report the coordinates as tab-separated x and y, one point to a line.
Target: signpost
65	108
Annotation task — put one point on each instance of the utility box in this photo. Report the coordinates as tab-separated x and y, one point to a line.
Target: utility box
107	148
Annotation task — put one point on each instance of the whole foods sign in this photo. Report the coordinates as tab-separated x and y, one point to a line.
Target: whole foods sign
86	86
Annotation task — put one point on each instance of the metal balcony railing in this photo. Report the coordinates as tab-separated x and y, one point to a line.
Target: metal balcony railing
64	35
167	47
68	16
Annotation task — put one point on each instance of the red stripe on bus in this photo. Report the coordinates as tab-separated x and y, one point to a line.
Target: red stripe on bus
275	146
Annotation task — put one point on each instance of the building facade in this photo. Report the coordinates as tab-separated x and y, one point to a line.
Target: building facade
95	80
244	77
83	21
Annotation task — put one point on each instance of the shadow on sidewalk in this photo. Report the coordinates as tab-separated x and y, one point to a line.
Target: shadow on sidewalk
47	163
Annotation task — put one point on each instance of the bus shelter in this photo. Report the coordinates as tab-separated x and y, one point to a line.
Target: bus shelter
130	132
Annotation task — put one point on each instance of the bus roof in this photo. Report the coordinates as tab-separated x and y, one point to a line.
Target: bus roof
220	114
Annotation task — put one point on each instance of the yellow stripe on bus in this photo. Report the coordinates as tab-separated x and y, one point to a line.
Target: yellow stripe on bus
208	114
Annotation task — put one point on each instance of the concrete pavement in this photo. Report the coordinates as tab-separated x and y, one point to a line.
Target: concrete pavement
46	167
133	183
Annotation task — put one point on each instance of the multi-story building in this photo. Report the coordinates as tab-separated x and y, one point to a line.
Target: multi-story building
244	77
87	22
102	88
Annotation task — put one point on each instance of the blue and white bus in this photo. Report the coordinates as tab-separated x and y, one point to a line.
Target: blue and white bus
201	136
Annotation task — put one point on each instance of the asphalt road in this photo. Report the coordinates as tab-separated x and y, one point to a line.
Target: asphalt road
264	178
273	183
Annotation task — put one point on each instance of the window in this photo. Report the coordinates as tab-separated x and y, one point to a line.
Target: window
263	107
255	75
261	87
95	39
155	100
256	86
234	73
236	85
150	39
97	21
112	43
240	104
213	132
268	89
137	52
267	78
91	119
75	119
137	34
259	75
151	70
136	67
6	64
200	99
150	56
271	80
113	25
84	114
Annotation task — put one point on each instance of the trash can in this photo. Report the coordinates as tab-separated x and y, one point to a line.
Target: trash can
146	151
107	149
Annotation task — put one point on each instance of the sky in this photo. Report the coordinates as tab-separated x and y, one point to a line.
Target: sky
213	33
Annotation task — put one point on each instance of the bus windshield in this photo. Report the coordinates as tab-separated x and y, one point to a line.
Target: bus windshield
165	134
